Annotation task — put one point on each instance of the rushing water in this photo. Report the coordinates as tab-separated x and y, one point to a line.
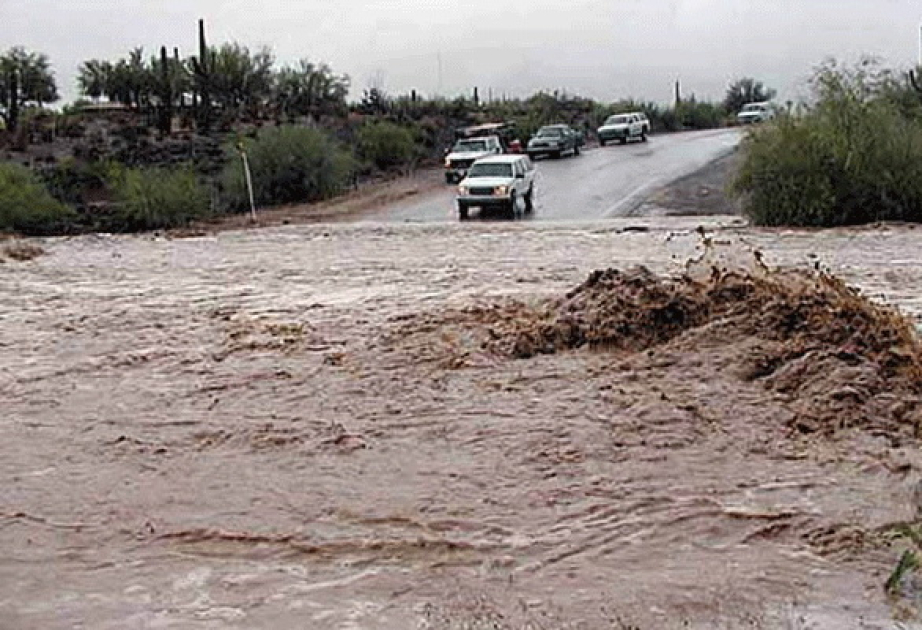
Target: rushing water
289	428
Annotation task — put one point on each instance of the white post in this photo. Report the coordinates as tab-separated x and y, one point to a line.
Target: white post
249	180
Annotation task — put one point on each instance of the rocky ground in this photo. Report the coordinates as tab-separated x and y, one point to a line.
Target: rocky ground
337	426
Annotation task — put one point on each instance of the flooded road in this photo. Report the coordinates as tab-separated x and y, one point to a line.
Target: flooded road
600	183
296	428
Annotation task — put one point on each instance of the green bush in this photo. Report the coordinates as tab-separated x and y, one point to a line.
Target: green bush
289	164
152	199
386	145
854	157
695	114
27	207
70	180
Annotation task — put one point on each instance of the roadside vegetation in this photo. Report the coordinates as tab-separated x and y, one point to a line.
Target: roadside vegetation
155	198
289	164
852	156
385	145
27	207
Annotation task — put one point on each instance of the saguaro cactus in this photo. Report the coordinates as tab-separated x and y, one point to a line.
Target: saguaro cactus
202	68
13	96
915	83
165	94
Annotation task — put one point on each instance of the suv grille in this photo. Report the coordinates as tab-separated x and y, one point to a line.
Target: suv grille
481	192
461	163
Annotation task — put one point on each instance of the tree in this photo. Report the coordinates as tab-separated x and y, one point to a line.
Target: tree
94	77
746	90
26	80
129	81
240	79
311	90
374	102
139	78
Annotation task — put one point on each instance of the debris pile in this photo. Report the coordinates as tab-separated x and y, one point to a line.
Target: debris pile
840	359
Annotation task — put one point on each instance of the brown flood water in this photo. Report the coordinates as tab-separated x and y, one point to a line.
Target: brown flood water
297	428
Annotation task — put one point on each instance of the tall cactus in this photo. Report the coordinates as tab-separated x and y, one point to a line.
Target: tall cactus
165	94
180	83
915	83
202	68
12	98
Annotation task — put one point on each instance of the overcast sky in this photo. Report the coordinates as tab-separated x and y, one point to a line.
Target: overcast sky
606	49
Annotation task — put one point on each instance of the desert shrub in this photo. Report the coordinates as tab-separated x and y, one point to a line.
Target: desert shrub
27	207
153	198
695	114
70	180
854	157
386	145
289	164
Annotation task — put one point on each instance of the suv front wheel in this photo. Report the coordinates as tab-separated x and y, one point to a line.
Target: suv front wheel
512	207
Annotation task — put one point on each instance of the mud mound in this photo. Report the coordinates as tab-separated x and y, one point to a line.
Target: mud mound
21	251
839	358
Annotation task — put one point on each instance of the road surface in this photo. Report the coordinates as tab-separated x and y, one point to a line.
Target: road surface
600	183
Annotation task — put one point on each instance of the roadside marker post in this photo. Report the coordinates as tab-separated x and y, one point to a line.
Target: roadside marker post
249	180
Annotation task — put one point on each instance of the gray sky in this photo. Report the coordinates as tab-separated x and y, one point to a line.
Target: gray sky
606	49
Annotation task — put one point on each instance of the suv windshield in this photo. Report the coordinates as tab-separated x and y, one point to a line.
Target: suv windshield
617	120
469	146
550	132
753	108
491	170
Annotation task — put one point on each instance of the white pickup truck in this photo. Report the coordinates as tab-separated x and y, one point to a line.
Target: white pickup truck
755	113
498	182
467	151
624	127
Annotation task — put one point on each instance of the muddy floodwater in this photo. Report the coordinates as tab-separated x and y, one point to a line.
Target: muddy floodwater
301	427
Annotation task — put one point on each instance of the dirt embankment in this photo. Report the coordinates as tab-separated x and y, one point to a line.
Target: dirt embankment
701	193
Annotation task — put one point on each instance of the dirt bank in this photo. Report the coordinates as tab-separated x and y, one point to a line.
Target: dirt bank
701	193
309	426
366	200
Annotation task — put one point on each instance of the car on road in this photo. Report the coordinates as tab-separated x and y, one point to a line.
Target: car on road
473	143
554	140
755	113
498	182
624	127
467	151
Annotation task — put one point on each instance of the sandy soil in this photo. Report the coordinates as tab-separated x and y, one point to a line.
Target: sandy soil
367	200
701	193
301	427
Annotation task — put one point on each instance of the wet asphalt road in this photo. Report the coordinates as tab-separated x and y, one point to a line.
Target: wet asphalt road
602	182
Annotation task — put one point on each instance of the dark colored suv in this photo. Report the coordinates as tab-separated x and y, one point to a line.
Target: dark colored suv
554	140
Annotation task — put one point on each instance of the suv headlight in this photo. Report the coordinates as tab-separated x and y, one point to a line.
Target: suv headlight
447	163
501	191
462	191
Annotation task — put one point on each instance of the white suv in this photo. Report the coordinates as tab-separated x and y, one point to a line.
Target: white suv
755	113
623	127
498	182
